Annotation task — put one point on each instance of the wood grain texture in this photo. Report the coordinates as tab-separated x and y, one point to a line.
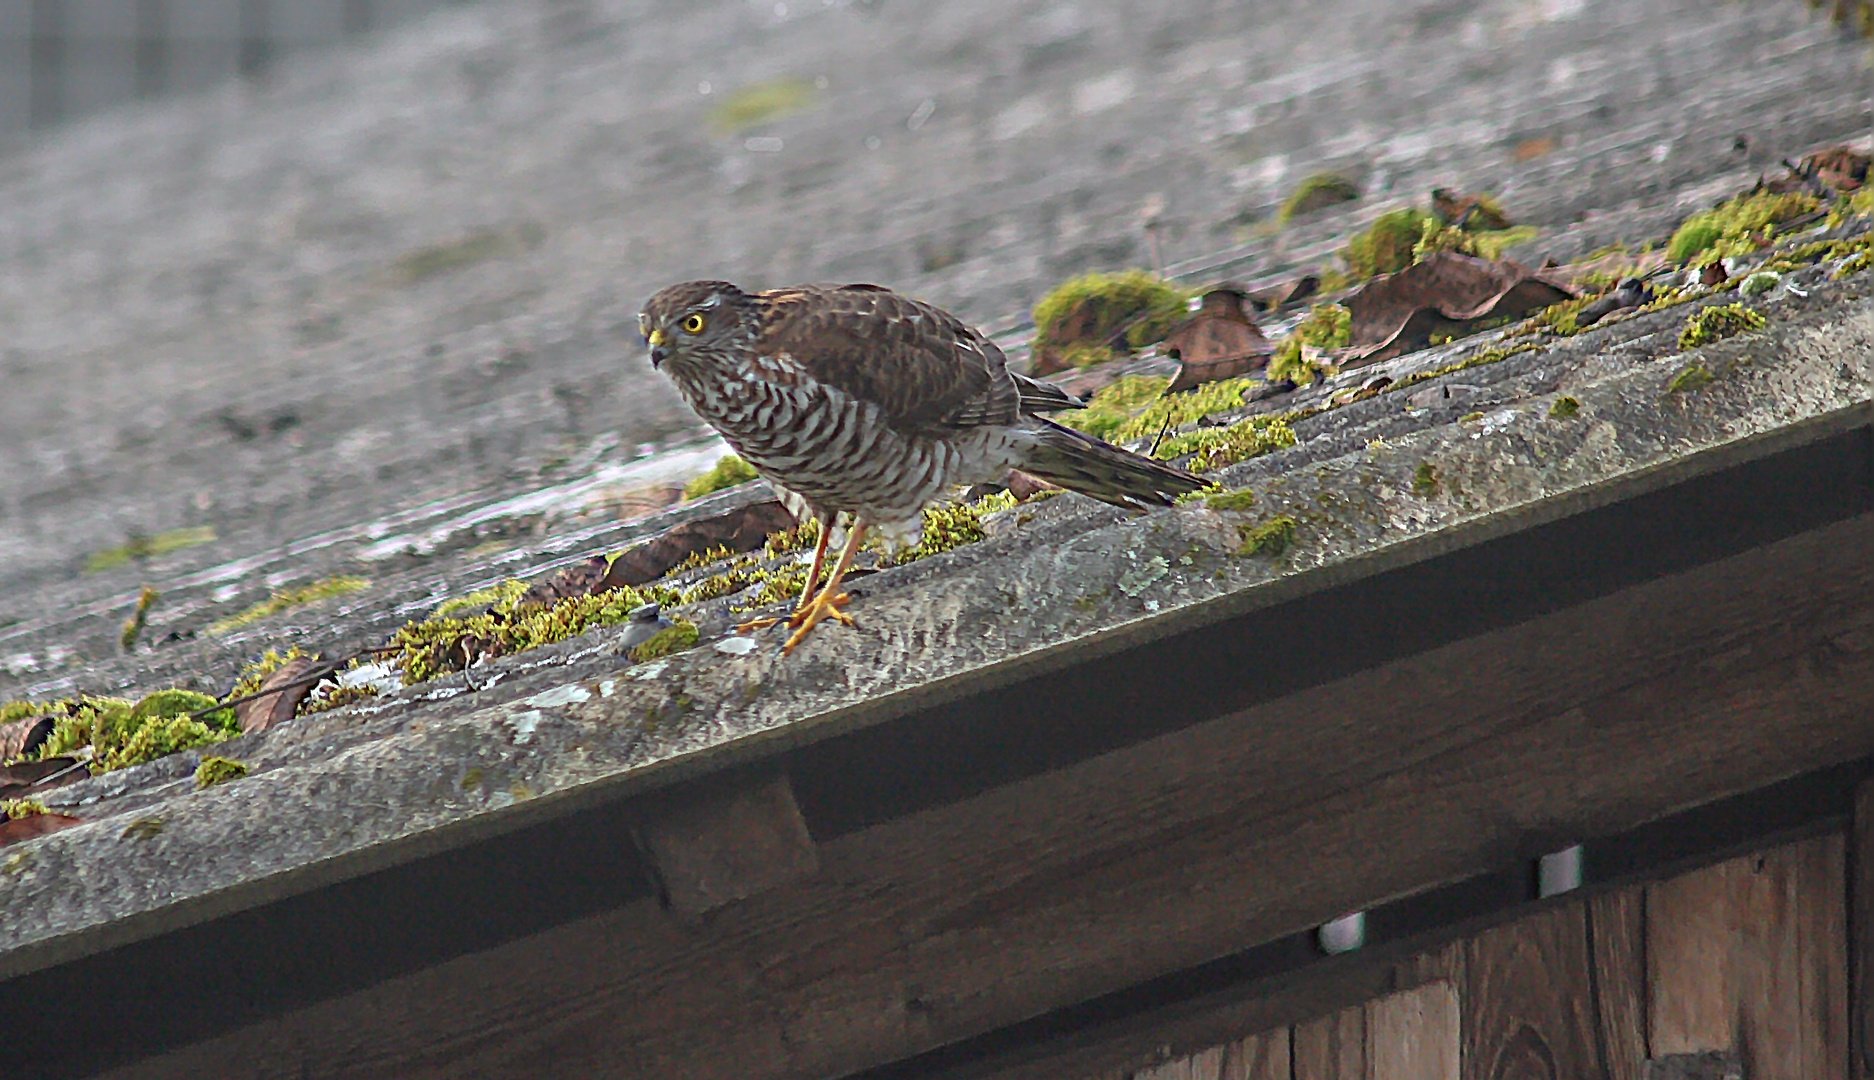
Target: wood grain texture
727	844
1267	1056
1415	1034
932	928
1332	1047
1749	955
1861	931
1528	1005
1617	932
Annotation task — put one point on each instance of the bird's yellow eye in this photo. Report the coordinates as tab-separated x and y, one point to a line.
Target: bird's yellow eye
693	323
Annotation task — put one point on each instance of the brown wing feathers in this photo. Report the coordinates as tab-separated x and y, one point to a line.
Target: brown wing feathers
921	366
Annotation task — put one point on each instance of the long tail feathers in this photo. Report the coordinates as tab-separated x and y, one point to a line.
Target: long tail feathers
1082	463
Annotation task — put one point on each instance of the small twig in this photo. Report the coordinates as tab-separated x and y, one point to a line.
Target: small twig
317	675
1160	437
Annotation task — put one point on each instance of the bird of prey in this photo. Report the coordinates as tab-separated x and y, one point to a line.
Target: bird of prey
859	400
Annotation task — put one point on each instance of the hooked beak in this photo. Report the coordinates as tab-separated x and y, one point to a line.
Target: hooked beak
660	349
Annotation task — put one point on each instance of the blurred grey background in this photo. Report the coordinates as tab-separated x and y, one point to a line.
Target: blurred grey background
64	58
284	266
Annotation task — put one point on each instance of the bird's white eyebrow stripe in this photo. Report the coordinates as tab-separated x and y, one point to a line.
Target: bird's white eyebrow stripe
714	299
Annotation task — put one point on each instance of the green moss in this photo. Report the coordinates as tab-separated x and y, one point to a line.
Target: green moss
1488	356
1718	322
777	585
133	626
1853	264
671	639
1271	538
327	696
288	599
1315	193
955	525
1240	499
1692	377
1092	309
13	809
1425	479
728	472
1470	417
471	780
1328	326
1115	405
506	592
434	646
147	547
1758	283
1435	237
429	262
717	585
1387	245
759	103
1564	407
218	770
253	675
1737	226
1215	448
801	537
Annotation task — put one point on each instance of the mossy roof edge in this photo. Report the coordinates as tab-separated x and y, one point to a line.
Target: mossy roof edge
557	739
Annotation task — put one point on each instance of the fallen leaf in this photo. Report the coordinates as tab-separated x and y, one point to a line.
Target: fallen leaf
13	830
1446	293
1293	291
26	777
1470	211
269	710
1219	342
582	579
21	737
742	529
1839	167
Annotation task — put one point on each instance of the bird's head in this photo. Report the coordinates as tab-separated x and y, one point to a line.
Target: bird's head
697	322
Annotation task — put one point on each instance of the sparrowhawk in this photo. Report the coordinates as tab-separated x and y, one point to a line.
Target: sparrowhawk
862	401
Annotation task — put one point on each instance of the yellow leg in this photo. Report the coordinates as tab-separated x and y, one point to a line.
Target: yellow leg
827	603
806	593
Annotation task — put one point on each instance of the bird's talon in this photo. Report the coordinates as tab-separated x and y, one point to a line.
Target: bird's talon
822	607
753	625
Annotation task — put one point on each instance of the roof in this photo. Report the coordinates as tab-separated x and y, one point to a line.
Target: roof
1452	499
1375	485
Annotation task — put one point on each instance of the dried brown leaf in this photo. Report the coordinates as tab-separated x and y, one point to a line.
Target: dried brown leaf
269	710
13	830
1445	293
21	737
23	778
742	529
1219	342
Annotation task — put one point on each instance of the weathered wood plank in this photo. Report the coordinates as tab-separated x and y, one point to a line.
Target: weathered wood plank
1528	999
1332	1047
1260	1057
1750	955
723	844
1617	928
929	929
1861	947
1415	1034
